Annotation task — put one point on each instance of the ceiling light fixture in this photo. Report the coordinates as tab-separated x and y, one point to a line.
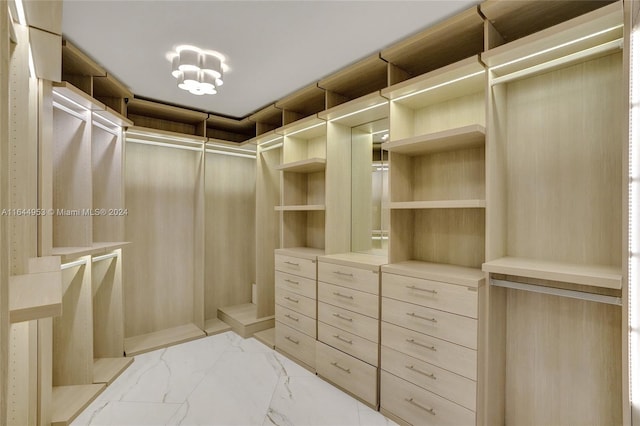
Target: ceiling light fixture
198	71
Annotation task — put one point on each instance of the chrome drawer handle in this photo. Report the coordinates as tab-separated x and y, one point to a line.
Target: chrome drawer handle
292	318
291	263
426	290
339	337
335	293
343	273
291	299
291	339
422	345
424	373
292	282
413	314
342	317
346	370
428	410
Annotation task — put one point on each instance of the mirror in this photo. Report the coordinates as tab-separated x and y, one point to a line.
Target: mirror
369	188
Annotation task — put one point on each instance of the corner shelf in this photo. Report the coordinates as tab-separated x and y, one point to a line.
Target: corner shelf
106	370
172	336
68	402
591	275
471	136
311	165
438	204
35	296
300	208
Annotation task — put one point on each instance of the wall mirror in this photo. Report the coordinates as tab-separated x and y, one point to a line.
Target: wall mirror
369	188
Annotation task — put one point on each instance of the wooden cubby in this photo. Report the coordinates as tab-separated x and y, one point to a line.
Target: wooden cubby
303	103
267	119
229	129
555	174
154	115
437	166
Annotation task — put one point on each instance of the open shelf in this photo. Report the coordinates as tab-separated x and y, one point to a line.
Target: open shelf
35	296
442	204
159	339
68	253
67	402
471	136
592	275
215	326
243	319
302	208
470	277
304	166
267	337
310	253
106	370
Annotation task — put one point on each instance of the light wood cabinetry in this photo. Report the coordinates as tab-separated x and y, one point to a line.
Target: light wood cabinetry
555	212
348	322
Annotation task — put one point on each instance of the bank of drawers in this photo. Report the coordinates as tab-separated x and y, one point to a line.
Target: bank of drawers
295	302
347	351
429	350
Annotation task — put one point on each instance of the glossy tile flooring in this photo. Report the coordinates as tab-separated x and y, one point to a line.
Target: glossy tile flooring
223	380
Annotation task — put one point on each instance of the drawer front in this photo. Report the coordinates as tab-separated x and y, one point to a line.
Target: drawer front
432	294
418	406
295	302
347	276
297	266
443	325
296	320
302	286
349	299
443	354
356	346
351	322
296	344
442	382
353	375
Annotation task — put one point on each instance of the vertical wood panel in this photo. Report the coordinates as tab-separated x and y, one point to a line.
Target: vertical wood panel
338	189
450	114
108	326
4	196
106	153
361	191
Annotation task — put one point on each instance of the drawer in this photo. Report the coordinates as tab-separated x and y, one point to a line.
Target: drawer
295	265
443	325
442	382
303	286
418	406
352	375
452	357
295	302
356	346
347	276
433	294
352	322
296	320
296	344
349	299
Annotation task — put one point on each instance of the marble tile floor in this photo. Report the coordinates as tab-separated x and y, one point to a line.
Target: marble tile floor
223	380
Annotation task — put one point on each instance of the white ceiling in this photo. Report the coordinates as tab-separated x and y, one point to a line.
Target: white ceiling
273	47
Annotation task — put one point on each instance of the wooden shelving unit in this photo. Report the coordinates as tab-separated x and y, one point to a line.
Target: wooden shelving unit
160	339
471	136
244	319
106	370
311	165
267	337
306	102
215	326
35	296
69	401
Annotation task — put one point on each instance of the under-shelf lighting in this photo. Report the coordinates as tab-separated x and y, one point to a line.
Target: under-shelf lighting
163	137
559	46
21	15
32	66
437	86
69	111
305	129
232	154
69	100
270	141
162	144
73	264
270	147
359	111
105	120
198	71
230	148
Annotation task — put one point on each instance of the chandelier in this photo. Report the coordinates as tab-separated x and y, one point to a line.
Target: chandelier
198	71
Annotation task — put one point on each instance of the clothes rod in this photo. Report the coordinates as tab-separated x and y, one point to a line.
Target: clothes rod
573	294
72	264
104	257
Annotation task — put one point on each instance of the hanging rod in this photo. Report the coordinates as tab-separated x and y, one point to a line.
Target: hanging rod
573	294
104	257
73	264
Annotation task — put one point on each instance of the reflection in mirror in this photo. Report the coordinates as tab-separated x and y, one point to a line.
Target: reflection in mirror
369	188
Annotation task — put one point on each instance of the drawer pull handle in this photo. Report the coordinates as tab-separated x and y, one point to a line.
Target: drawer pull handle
428	410
422	345
346	370
291	339
336	293
291	299
339	337
343	273
413	314
292	281
342	317
426	290
291	263
424	373
291	317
